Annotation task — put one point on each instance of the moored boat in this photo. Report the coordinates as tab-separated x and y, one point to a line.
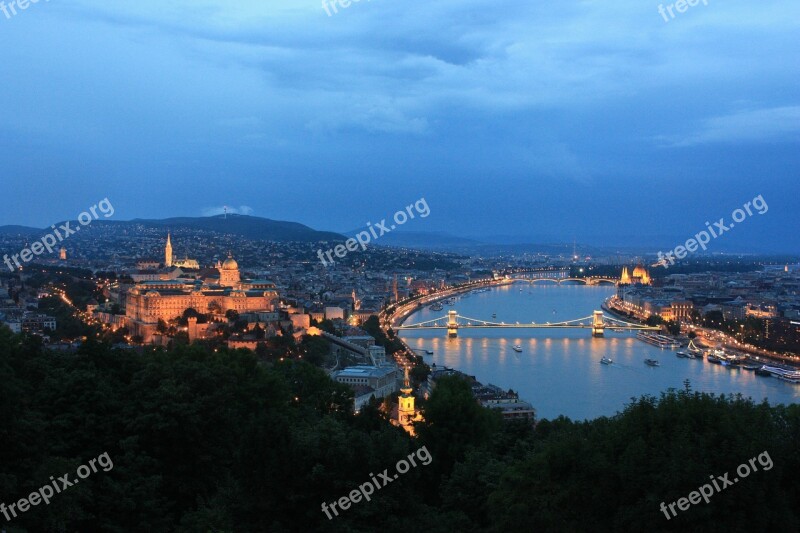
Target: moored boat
656	339
651	362
517	348
785	374
682	355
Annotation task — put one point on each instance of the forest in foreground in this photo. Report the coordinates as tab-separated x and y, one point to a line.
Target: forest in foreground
223	442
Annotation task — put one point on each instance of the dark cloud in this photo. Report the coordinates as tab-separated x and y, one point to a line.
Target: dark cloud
585	119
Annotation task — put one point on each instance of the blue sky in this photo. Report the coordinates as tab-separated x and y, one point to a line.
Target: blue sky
544	120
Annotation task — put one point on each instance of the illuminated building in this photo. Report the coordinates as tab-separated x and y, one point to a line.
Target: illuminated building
368	382
406	412
170	261
166	299
640	275
168	252
186	263
229	272
625	279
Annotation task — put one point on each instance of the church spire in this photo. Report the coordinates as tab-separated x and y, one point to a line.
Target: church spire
168	251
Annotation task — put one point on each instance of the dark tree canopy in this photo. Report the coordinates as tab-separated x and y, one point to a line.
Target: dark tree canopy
216	440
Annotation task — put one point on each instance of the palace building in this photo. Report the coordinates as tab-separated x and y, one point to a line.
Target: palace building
219	290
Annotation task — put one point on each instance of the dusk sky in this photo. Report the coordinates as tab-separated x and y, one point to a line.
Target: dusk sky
538	120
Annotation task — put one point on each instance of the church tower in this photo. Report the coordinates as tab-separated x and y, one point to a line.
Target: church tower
405	411
168	252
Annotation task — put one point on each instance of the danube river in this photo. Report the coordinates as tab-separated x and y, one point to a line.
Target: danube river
559	371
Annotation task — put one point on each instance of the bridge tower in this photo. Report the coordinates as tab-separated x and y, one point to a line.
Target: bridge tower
598	326
452	324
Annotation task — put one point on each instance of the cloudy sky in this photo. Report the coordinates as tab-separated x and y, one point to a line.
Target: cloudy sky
594	120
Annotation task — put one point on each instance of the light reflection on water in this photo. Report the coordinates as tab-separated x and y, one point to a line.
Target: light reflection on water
559	371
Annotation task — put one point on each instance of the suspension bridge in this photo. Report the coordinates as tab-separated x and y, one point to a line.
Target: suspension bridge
597	323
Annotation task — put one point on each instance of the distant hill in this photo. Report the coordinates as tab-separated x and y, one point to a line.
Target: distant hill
19	230
242	225
246	226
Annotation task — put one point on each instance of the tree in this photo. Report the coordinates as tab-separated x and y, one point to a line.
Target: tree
654	320
315	349
674	327
449	437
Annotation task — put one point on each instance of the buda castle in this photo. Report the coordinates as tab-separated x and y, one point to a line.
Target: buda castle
211	291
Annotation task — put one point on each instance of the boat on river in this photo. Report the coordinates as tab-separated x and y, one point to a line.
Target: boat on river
656	339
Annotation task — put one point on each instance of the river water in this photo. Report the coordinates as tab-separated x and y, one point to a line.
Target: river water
559	370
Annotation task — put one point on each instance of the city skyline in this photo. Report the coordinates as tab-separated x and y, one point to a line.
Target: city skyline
399	265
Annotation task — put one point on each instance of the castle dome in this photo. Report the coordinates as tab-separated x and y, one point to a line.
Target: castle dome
230	264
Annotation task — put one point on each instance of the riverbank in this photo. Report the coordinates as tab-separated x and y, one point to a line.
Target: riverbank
559	371
757	354
498	399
